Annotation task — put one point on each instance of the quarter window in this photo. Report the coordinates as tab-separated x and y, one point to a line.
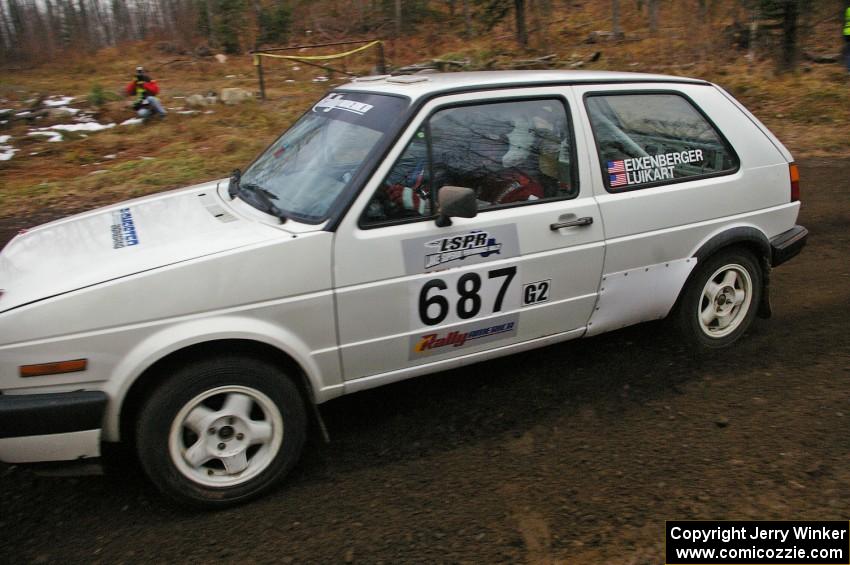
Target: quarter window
650	139
509	152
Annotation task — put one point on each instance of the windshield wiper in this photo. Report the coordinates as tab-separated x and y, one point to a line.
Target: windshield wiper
264	198
233	184
259	195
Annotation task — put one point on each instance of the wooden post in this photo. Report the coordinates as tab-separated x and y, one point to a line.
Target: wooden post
260	77
381	63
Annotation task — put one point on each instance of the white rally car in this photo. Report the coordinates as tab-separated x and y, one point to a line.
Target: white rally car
404	225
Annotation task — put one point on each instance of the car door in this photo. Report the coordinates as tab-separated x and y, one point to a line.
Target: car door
412	296
666	179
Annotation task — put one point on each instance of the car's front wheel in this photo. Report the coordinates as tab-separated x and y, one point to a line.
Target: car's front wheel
721	299
221	431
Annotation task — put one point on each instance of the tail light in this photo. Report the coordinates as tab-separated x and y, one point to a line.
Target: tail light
795	182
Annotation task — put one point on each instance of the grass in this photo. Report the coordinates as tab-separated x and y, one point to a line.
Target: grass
182	149
809	110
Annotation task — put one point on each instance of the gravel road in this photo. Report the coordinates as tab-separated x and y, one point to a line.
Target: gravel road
578	452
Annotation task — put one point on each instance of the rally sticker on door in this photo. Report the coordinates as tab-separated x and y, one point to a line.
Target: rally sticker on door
456	296
651	168
444	251
462	336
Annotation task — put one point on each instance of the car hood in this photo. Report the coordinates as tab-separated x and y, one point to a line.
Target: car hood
122	240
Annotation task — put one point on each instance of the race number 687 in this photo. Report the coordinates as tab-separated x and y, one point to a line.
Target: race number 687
467	300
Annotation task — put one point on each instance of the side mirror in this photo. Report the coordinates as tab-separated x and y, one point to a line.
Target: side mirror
455	202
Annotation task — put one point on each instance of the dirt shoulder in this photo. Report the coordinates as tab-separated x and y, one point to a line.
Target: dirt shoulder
577	452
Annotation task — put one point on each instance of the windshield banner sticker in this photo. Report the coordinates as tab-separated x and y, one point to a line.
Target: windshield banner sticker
123	229
374	111
336	101
465	335
652	168
427	254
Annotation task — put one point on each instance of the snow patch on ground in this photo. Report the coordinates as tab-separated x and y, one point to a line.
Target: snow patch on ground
58	100
132	122
5	138
53	135
7	152
90	126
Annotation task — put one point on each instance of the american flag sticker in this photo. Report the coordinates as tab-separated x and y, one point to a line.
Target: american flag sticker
618	180
616	167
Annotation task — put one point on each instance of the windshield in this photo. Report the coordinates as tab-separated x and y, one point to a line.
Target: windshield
306	170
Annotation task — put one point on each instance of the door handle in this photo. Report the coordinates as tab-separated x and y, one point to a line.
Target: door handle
586	221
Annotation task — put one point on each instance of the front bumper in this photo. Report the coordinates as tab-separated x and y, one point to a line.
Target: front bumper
787	245
51	427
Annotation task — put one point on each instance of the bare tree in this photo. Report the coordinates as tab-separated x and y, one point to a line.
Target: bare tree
521	31
615	17
6	34
790	12
211	33
653	16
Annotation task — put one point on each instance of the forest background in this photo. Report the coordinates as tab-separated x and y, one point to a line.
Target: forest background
781	58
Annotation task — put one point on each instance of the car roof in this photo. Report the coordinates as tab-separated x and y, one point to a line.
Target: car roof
419	85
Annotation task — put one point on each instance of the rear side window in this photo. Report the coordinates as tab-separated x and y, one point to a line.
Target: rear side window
650	139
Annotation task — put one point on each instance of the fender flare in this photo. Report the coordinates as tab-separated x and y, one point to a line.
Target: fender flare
754	239
175	338
737	235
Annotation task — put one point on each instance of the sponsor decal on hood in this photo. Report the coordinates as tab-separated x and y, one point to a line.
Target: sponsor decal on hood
123	229
115	242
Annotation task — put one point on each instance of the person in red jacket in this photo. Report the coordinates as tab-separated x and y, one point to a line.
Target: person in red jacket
145	90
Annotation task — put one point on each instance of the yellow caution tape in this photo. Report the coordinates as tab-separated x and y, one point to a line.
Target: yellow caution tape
314	57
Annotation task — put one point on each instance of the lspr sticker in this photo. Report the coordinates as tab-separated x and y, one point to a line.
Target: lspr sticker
426	254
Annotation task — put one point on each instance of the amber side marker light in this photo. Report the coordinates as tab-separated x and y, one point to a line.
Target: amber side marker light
56	368
795	182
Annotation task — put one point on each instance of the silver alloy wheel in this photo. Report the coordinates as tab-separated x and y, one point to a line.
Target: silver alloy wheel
725	300
228	445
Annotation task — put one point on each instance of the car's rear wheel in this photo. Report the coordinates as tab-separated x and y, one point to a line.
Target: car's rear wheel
721	299
221	431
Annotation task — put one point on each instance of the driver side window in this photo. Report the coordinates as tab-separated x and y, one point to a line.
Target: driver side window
406	191
510	153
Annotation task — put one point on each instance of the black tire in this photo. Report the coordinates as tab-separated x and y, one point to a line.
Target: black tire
695	300
211	390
